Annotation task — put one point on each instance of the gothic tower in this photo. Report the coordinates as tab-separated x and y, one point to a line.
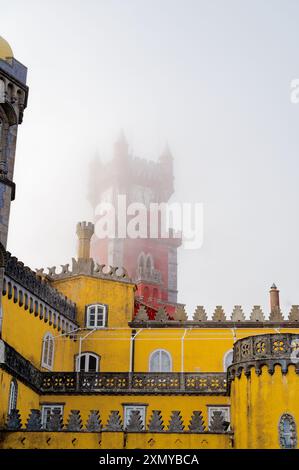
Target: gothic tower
150	261
13	101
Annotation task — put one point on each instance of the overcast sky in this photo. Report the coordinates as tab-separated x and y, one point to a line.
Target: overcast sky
212	78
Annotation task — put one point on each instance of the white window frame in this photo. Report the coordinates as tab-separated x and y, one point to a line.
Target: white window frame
87	356
225	359
127	412
160	352
88	313
48	359
225	410
13	396
45	415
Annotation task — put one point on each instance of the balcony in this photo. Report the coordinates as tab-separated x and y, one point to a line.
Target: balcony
124	383
111	383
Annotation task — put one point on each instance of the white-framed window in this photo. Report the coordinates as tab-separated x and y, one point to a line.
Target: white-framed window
160	361
225	412
227	359
128	410
87	362
47	410
96	316
13	396
48	351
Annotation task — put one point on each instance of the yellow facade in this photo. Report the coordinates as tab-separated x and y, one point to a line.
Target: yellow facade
256	402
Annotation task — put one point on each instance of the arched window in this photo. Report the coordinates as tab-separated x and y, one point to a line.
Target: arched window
287	432
149	265
13	396
141	260
160	361
227	359
48	351
87	362
96	316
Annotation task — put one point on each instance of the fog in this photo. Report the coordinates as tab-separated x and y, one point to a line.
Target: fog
211	78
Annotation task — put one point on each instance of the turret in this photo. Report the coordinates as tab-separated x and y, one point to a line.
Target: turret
13	101
85	231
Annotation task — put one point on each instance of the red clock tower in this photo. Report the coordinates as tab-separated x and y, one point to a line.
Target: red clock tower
150	262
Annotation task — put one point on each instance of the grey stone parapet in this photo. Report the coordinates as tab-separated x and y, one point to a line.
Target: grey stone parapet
254	352
17	273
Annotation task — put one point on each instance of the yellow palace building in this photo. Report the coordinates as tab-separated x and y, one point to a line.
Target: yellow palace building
79	368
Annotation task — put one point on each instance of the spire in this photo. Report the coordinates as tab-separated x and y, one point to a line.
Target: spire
166	155
121	147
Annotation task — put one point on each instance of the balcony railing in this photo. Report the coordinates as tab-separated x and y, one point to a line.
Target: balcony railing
110	383
138	382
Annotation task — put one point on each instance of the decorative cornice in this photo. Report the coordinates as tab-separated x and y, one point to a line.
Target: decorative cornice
219	319
86	267
74	423
167	323
23	275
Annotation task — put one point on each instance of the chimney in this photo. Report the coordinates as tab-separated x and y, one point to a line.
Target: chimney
274	298
84	231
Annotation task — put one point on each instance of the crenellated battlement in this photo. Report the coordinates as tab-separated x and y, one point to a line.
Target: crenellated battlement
84	229
86	267
218	319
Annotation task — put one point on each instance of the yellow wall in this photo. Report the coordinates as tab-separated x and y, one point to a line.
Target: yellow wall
257	403
85	290
24	332
27	399
113	440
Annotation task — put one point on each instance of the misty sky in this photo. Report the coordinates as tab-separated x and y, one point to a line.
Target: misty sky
211	78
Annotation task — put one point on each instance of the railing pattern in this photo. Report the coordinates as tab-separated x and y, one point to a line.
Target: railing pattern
141	383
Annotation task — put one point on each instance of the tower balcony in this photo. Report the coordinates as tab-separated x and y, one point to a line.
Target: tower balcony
148	275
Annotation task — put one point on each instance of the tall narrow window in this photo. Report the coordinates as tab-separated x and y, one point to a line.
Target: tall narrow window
96	316
87	362
160	361
13	396
48	351
287	432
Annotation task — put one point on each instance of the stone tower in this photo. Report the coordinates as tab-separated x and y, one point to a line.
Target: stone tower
150	262
13	101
